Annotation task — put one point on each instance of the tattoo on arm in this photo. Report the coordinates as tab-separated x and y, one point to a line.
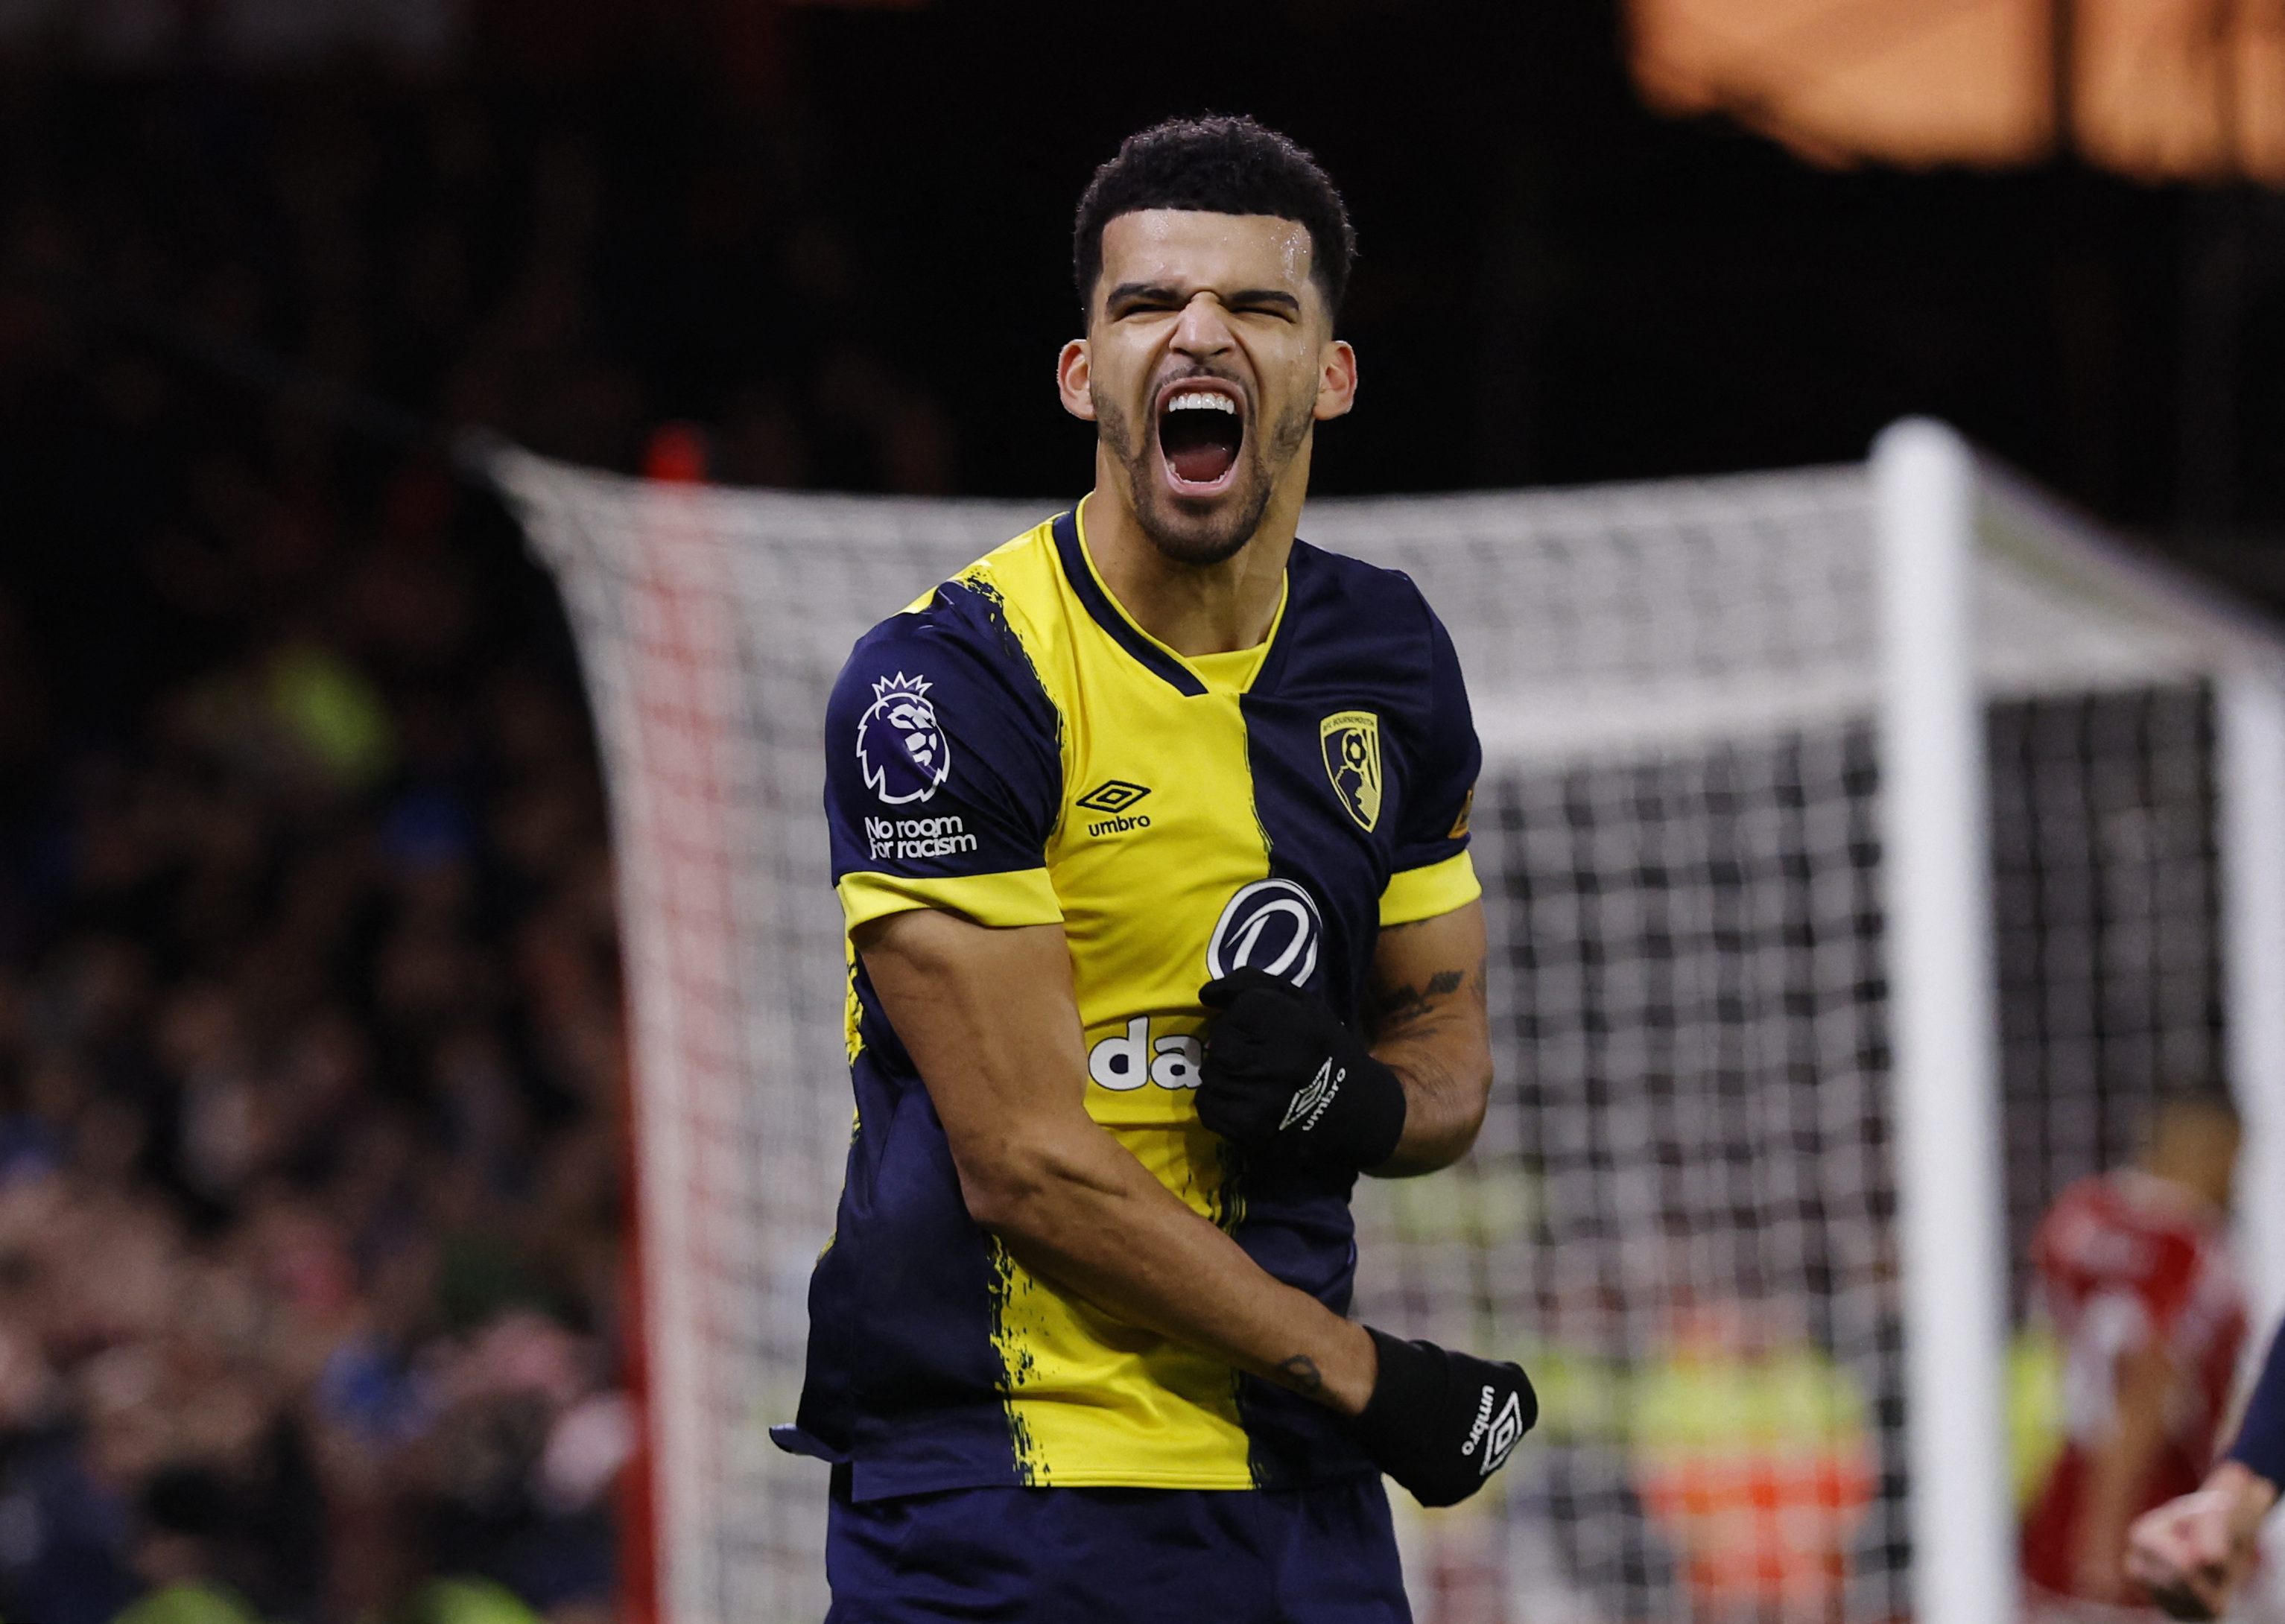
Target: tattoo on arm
1300	1373
1401	1006
1431	1034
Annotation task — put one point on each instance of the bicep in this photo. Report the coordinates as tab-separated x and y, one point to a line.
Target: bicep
1429	974
990	1018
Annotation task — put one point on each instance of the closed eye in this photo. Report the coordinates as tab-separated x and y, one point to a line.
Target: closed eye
1143	298
1134	298
1266	301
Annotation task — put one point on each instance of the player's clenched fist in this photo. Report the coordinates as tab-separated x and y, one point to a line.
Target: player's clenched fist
1441	1422
1283	1074
2190	1553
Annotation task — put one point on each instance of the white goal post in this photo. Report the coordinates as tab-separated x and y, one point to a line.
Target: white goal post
1861	846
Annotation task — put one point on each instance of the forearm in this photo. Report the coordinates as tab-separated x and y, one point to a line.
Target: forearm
1091	1218
2249	1495
988	1017
1444	1097
1431	1025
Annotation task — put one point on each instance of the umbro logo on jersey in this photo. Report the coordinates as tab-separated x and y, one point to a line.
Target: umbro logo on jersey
1114	796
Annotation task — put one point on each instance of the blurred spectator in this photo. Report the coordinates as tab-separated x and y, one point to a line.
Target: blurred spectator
1754	1455
2133	1273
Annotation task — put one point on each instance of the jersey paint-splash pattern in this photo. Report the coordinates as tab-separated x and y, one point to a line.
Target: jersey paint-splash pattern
1014	748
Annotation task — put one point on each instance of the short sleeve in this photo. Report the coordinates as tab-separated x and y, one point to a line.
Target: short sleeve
1430	872
2260	1445
944	773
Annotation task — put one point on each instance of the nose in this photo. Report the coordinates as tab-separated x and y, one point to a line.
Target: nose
1202	331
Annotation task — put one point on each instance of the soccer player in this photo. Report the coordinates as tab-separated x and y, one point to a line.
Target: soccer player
2135	1274
2191	1553
1150	832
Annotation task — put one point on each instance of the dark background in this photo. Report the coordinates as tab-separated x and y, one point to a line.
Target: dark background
307	969
838	239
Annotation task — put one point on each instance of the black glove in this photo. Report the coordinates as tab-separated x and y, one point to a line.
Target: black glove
1441	1422
1282	1073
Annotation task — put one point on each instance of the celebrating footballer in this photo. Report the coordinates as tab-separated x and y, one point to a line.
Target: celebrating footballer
1150	832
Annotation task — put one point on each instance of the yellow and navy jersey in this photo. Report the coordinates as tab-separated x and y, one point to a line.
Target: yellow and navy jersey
1014	748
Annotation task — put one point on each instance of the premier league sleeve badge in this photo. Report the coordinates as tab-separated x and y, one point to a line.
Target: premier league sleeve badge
901	744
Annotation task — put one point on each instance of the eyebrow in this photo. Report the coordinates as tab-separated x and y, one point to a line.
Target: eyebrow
1251	295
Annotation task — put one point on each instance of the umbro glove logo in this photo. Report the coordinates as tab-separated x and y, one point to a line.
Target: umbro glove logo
1280	1074
1504	1430
1441	1422
1312	1100
1483	1421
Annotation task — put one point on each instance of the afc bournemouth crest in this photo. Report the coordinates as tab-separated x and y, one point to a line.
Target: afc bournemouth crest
1352	746
900	746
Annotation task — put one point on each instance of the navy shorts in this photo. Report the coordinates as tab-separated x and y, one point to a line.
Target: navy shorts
1117	1556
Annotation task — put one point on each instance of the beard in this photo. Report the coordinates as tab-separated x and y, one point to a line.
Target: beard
1207	530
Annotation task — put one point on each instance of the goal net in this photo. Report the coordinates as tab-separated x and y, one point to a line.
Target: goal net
1682	1215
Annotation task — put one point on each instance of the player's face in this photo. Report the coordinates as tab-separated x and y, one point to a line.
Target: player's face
1209	355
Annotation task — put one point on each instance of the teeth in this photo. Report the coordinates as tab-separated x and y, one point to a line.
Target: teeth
1202	401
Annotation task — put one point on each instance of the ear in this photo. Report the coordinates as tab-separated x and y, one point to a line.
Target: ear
1337	382
1071	379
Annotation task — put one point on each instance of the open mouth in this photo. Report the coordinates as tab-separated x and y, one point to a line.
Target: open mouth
1201	431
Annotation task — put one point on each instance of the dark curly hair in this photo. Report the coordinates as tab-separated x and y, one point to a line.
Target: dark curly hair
1219	165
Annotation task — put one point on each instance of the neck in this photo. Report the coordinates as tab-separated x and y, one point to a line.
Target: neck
1194	608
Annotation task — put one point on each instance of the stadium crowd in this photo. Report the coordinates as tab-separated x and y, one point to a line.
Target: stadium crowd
310	1073
312	1059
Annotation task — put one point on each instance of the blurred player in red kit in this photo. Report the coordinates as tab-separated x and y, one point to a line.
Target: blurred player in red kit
2134	1273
